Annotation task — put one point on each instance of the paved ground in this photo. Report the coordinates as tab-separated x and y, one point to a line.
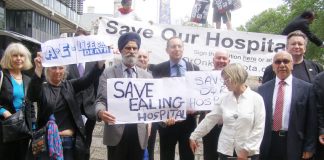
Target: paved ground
99	151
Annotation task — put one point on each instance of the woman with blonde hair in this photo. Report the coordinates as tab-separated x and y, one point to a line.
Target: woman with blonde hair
15	60
242	113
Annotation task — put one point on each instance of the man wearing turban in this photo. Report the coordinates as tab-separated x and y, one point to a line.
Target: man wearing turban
124	141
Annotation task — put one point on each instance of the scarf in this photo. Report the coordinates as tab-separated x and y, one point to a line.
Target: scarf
124	11
55	148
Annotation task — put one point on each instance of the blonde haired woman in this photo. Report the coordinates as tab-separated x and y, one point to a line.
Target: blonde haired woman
243	115
16	59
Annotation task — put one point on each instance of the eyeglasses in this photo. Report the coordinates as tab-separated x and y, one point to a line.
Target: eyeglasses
285	61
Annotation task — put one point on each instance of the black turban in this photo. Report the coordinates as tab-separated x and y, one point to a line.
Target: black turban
126	37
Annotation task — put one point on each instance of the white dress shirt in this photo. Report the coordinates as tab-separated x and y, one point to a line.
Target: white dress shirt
243	123
287	101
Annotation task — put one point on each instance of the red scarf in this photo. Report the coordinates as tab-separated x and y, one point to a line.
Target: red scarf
124	11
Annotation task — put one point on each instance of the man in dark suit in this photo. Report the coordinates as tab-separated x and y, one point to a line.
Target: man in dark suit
172	132
124	141
302	23
290	133
87	97
319	94
303	69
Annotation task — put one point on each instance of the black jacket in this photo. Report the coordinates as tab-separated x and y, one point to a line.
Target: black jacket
302	24
6	96
319	94
40	93
312	70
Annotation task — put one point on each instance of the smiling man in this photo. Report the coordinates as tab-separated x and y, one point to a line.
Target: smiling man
303	69
290	132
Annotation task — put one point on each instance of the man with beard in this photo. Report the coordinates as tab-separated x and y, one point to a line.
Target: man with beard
172	132
124	141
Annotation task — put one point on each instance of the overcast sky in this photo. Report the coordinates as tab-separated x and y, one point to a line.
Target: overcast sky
147	9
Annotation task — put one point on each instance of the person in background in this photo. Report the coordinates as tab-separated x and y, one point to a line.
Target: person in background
57	104
302	23
243	114
172	132
143	62
210	140
303	69
290	128
15	60
87	97
126	11
220	13
318	87
124	141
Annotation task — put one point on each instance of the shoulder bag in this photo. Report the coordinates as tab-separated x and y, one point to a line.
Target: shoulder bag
15	127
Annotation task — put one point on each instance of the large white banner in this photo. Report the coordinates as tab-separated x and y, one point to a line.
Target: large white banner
205	88
253	50
146	100
71	50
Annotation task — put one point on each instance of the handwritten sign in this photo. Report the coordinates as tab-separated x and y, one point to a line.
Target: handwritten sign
73	50
205	88
146	100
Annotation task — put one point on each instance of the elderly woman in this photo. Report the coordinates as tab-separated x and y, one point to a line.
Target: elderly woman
57	97
243	115
16	58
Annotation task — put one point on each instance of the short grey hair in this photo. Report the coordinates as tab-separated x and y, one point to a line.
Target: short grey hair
236	73
47	76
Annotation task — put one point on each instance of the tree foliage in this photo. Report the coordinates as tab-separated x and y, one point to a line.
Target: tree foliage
273	21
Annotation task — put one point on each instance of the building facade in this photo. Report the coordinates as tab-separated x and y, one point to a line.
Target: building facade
40	19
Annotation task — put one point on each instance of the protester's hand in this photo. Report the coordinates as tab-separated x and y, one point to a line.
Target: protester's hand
101	64
193	145
242	155
170	121
6	114
307	155
321	139
38	64
107	117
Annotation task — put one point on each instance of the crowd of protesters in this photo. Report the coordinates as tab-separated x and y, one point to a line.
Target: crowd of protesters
282	120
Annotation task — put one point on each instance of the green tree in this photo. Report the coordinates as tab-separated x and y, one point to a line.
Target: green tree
274	20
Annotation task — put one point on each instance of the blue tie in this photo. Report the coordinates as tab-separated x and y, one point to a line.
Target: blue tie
177	67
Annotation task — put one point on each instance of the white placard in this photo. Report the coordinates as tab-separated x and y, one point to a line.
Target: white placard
146	100
72	50
205	88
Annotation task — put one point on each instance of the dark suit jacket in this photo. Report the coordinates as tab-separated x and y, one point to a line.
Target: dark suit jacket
301	135
319	93
163	69
302	24
312	70
87	97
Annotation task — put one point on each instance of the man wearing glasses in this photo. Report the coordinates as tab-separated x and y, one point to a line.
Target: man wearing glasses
290	132
303	69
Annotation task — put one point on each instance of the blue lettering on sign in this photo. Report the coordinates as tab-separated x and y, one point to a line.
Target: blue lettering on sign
51	53
89	48
66	51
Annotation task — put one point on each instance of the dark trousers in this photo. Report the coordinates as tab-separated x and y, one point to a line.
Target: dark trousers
151	140
319	155
89	127
180	132
210	142
226	157
278	147
129	147
16	150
